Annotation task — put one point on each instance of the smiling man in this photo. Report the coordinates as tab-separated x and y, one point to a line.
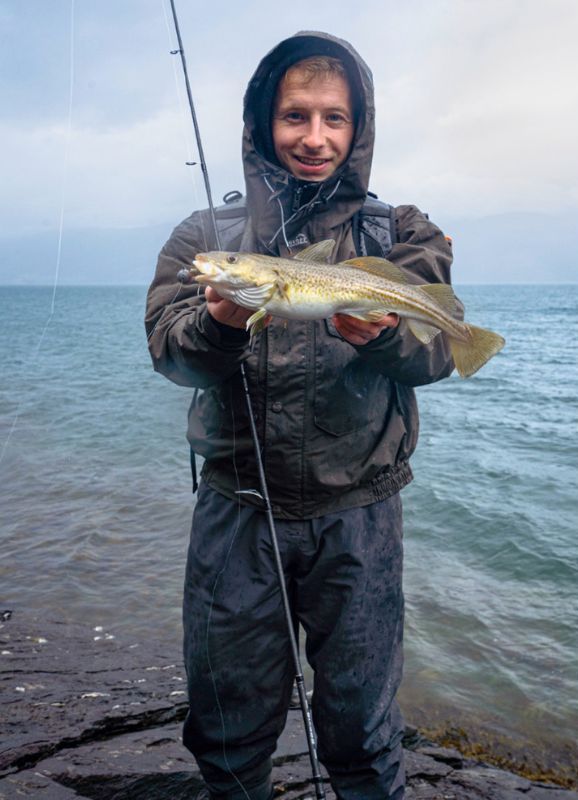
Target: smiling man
313	119
337	423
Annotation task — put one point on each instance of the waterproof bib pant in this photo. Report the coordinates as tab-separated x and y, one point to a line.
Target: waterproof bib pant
343	574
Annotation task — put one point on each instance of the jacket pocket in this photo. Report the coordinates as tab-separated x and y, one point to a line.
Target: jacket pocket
349	393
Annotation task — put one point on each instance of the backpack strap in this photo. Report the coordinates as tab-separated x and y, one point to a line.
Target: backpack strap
375	228
231	219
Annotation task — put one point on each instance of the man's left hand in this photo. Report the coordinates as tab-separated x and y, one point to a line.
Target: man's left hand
357	331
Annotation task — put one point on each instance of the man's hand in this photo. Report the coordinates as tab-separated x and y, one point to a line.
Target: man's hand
357	331
227	312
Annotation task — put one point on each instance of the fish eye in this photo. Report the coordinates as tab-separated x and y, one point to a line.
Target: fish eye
231	259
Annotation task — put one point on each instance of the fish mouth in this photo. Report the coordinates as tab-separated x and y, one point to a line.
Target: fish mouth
208	271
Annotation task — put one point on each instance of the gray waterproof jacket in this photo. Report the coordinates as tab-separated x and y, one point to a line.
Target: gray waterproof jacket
337	423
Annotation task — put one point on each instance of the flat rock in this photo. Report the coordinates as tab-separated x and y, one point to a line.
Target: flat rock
63	684
86	716
420	766
448	755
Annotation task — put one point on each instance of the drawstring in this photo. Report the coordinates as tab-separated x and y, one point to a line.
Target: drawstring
316	200
329	196
282	215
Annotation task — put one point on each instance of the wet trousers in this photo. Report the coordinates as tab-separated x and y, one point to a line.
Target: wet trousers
343	575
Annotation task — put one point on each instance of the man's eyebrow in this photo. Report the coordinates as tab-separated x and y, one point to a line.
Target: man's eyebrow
298	106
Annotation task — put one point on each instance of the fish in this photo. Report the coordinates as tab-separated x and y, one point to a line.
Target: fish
306	287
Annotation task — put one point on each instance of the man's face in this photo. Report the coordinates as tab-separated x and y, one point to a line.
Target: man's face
312	124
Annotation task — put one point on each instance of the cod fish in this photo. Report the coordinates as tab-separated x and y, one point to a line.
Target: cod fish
307	287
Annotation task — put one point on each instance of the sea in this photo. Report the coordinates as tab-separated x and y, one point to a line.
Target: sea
95	495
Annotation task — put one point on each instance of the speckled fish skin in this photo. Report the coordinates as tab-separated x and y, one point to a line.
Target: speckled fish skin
365	287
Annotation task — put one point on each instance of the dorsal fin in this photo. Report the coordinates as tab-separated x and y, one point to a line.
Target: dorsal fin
376	266
321	251
442	294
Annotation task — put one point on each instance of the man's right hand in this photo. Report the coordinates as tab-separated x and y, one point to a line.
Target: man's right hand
227	312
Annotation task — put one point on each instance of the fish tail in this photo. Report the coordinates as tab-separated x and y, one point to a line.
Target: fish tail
472	354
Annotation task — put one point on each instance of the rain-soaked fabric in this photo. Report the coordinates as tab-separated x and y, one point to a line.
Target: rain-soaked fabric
344	577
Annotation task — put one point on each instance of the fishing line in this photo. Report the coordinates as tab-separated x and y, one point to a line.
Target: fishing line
210	614
63	195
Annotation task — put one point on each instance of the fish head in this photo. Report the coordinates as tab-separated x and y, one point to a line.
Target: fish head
230	272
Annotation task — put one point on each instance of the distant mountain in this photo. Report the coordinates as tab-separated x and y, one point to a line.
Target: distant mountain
515	248
506	248
90	256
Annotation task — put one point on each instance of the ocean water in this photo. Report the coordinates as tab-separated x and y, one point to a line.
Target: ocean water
96	501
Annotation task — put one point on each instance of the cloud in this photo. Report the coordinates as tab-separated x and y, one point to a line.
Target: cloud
107	177
474	104
481	124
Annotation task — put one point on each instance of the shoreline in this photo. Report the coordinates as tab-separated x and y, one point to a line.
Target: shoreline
549	761
82	711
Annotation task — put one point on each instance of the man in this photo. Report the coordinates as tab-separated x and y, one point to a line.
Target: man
337	423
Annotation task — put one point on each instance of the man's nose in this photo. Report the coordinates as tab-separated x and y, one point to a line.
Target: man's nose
314	137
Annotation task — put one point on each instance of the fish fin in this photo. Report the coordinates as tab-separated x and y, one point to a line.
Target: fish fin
364	316
321	251
257	321
422	331
469	356
376	266
442	294
367	316
375	316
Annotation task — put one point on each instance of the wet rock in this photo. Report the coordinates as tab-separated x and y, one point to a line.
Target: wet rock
64	684
85	716
446	754
419	766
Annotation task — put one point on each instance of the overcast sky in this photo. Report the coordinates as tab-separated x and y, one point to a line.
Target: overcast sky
477	108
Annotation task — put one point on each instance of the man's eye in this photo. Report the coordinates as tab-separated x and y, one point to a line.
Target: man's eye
337	119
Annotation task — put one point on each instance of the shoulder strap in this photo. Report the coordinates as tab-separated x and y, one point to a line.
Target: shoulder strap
231	218
374	228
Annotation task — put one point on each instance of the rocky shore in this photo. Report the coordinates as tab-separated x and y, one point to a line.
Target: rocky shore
84	715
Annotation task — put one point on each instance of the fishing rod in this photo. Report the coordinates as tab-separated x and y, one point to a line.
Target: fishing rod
184	276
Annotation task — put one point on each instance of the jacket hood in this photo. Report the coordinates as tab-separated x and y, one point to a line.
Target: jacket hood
282	208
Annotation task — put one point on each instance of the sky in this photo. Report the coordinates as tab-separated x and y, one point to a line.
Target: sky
477	104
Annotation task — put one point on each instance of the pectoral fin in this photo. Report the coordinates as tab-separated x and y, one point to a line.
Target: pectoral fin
257	321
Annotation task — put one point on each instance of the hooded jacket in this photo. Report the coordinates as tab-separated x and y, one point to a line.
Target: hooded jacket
337	423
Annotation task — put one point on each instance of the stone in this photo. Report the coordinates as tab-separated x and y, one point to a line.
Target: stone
85	716
425	767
